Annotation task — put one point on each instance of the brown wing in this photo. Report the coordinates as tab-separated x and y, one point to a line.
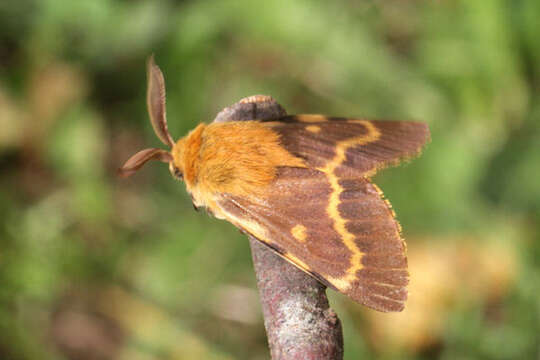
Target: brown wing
340	231
352	147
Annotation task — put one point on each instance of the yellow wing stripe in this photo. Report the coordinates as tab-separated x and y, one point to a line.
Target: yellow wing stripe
373	134
296	261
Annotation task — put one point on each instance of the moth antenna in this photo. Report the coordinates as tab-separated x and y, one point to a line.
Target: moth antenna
155	99
135	162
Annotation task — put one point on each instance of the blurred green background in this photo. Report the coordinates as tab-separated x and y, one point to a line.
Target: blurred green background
94	267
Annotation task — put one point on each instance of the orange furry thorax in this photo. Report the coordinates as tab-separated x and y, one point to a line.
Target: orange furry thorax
238	158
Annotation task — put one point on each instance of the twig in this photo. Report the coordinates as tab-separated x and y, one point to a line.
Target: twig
298	319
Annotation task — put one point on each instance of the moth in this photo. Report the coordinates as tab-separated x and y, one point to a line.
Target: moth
301	185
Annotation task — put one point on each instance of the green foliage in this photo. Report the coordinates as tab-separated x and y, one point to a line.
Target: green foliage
128	266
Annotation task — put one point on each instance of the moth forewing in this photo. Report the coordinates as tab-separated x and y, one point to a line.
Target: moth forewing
353	244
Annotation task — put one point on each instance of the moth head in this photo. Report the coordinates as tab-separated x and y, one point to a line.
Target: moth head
155	99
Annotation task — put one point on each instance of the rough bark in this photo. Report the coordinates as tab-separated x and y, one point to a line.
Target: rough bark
298	319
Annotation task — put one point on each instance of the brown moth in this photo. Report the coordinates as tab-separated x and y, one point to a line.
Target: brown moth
301	185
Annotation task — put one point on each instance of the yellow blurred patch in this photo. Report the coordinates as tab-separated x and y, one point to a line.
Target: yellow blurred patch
444	274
